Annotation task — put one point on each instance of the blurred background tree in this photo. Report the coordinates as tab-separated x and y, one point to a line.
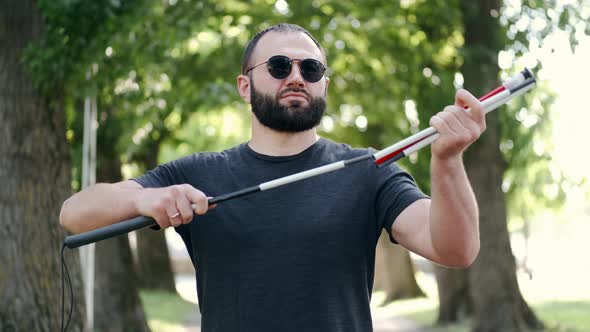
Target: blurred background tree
35	174
163	74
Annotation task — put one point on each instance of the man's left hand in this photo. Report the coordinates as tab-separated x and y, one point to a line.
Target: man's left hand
458	128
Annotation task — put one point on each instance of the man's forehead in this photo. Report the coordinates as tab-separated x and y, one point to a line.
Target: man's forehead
296	45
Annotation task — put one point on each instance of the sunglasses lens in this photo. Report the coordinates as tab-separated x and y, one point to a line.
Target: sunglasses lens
312	70
279	66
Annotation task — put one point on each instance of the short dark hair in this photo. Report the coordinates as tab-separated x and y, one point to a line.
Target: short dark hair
281	27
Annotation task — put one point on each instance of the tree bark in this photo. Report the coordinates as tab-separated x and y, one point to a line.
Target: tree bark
35	178
153	261
492	283
453	295
117	306
499	305
153	257
394	272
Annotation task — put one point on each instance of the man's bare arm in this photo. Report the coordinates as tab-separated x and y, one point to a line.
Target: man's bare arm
446	228
104	204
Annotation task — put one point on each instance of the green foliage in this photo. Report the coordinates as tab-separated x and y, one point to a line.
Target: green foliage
534	20
167	62
75	34
531	183
163	73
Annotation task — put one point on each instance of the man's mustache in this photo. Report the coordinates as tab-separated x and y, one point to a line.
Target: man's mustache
295	90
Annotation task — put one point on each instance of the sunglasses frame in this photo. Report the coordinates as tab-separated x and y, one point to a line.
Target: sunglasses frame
303	73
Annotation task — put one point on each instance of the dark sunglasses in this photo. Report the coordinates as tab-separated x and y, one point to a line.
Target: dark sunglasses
279	67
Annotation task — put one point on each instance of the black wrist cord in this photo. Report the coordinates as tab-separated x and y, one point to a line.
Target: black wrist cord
65	267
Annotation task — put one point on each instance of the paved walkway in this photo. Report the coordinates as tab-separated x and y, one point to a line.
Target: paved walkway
392	324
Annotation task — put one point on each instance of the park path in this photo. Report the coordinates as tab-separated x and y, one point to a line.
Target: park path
389	324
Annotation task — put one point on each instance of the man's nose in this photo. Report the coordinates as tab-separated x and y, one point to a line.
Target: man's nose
295	79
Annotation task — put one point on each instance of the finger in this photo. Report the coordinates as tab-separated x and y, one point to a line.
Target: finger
162	220
174	217
465	98
168	204
449	116
440	125
472	128
184	207
197	198
211	206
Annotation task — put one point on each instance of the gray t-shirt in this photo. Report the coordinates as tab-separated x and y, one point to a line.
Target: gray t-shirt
296	258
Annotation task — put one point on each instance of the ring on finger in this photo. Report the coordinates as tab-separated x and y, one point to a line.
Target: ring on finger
174	215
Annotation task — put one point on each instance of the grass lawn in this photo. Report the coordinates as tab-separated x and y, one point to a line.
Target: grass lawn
564	315
558	293
165	311
558	316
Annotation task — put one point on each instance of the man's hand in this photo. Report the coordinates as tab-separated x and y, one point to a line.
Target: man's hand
171	206
457	128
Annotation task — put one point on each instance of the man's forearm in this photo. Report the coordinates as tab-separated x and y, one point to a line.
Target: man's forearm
454	216
97	206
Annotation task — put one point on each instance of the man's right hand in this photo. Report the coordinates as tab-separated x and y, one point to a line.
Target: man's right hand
104	204
173	205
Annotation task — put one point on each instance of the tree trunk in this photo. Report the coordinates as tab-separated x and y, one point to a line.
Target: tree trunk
394	272
153	258
117	306
499	306
35	178
453	295
493	286
153	261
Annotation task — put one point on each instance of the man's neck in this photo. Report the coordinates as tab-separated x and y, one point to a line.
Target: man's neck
274	143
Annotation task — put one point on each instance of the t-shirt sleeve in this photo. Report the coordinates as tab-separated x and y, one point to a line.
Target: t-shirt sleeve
162	176
396	190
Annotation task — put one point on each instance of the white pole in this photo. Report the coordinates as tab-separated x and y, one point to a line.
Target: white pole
91	249
89	178
86	143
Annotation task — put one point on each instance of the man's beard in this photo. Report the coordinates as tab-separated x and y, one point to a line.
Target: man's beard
293	118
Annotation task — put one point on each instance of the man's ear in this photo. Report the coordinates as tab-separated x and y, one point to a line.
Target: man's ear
243	82
327	79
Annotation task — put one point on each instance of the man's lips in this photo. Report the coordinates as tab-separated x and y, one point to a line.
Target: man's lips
293	94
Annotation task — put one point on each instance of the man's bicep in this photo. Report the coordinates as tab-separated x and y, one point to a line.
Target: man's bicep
411	229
